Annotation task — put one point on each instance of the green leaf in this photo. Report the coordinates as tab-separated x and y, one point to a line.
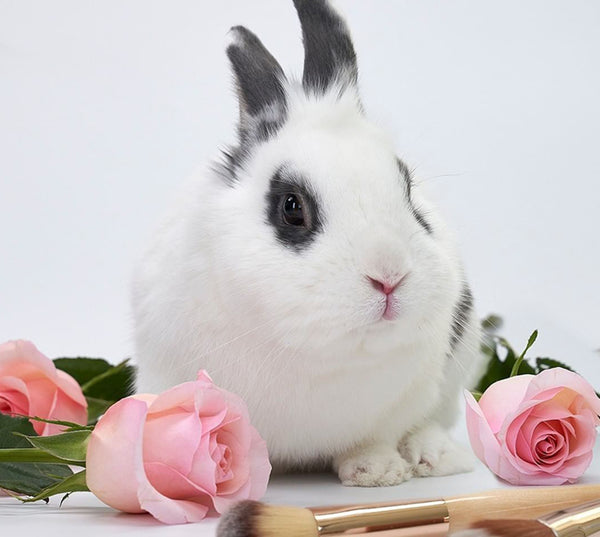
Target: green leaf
100	379
496	370
73	483
83	369
70	446
541	364
69	425
31	478
10	425
19	455
492	323
530	342
501	362
25	478
96	407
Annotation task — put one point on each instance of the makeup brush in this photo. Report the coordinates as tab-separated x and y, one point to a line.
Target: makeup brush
427	517
579	521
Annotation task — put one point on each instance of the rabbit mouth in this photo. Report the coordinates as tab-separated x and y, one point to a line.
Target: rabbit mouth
390	311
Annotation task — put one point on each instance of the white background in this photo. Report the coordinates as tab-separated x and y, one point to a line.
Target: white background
105	107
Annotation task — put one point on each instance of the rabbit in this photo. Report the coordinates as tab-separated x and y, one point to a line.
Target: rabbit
307	273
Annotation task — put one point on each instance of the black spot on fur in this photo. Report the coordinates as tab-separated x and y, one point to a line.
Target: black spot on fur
283	183
265	129
421	219
406	175
232	160
239	520
328	51
461	314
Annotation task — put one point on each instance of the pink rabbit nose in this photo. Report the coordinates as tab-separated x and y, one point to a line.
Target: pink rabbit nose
386	287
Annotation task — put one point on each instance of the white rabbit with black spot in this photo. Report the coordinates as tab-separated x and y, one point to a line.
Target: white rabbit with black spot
307	273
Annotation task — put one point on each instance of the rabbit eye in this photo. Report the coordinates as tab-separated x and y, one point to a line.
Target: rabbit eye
292	210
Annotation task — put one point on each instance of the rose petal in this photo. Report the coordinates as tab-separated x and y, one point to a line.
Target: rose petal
114	452
204	379
480	434
239	467
203	469
223	502
70	387
260	467
170	511
508	439
559	376
66	409
584	433
260	470
14	391
575	468
164	431
23	358
173	484
502	399
523	448
180	396
211	406
42	398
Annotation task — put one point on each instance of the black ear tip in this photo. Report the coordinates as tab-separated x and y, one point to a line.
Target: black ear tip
240	38
314	8
238	29
302	4
239	34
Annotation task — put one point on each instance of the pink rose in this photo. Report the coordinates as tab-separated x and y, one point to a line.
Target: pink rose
180	455
535	429
31	385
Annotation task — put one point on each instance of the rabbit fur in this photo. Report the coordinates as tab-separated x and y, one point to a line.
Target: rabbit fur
348	327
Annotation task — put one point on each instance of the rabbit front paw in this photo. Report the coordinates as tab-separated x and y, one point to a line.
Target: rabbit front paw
431	452
373	466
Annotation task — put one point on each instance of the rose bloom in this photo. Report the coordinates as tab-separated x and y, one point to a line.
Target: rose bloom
180	455
535	429
30	385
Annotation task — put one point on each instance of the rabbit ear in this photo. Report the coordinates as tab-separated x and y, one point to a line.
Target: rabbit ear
328	51
260	82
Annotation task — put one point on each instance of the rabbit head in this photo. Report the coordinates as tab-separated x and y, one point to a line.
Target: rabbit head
320	232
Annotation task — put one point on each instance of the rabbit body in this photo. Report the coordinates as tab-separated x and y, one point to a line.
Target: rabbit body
346	325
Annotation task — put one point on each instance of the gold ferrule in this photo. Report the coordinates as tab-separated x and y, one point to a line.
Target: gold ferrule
579	521
431	516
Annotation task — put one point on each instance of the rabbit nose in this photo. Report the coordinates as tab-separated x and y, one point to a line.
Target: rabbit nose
386	286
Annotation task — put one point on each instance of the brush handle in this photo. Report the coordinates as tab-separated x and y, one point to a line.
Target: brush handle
520	502
575	521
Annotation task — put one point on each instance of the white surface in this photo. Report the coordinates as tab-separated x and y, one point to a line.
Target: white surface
106	107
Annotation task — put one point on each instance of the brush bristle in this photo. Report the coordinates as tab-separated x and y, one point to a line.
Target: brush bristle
255	519
506	528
